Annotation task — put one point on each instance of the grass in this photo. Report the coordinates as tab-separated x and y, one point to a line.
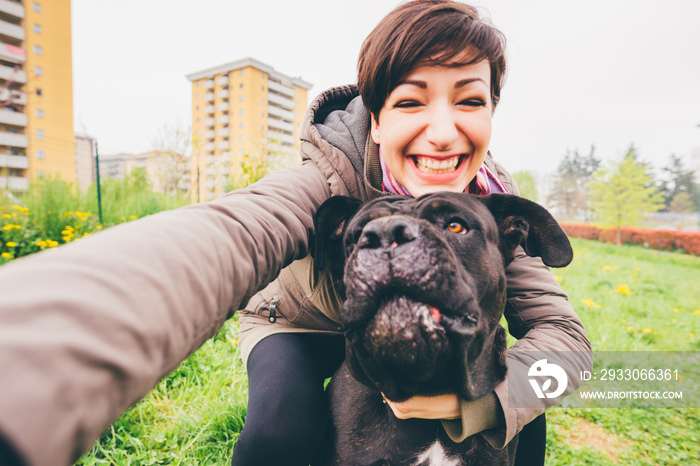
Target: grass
629	298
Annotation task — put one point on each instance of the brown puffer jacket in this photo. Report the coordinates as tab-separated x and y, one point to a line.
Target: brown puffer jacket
88	329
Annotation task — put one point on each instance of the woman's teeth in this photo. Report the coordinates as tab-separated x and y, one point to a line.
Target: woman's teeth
430	165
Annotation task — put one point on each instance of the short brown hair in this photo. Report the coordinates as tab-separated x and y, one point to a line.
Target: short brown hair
426	32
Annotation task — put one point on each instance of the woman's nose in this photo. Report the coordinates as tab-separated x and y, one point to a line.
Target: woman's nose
442	129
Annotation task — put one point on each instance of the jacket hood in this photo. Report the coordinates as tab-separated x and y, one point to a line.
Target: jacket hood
339	118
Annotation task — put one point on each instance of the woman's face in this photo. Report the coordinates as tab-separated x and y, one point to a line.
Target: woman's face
435	126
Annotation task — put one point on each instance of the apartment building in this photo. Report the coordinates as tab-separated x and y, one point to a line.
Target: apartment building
36	92
242	108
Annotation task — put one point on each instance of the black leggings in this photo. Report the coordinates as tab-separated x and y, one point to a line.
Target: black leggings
287	408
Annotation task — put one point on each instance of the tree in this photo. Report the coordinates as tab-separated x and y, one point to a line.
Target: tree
620	194
170	158
677	179
568	193
526	184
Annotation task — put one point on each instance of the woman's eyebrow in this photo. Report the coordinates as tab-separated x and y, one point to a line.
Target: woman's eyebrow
421	84
464	82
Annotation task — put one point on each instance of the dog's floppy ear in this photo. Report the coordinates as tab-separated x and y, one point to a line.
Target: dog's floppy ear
329	224
523	222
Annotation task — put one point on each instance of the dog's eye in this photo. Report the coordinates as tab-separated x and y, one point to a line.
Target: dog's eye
456	227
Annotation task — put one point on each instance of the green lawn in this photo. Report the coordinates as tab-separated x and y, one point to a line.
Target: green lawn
630	298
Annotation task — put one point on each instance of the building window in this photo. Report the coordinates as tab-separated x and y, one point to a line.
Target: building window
241	86
37	28
40	134
38	50
37	7
40	154
39	113
38	70
241	72
240	98
241	125
197	120
197	107
39	91
241	111
242	138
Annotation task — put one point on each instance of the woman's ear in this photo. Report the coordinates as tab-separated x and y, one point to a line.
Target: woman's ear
374	128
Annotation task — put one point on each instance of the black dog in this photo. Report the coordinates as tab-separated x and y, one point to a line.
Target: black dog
425	288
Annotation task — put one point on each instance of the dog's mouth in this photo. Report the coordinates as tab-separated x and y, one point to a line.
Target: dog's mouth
412	337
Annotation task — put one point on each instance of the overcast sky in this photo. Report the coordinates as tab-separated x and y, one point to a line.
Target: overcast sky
607	73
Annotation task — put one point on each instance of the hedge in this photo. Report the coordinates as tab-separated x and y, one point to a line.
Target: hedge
686	241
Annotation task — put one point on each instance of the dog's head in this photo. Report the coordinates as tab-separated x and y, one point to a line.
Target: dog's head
425	287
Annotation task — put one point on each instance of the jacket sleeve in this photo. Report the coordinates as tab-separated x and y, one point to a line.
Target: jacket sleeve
88	329
540	316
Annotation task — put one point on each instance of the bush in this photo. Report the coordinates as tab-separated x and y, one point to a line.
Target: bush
686	241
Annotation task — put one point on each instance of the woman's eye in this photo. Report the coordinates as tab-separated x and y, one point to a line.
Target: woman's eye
473	103
407	104
456	227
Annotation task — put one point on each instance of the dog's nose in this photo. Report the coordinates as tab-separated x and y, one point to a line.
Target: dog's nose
387	232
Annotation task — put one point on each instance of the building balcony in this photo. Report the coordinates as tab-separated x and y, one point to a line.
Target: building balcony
224	132
223	120
280	124
209	122
210	184
209	84
13	140
281	88
12	53
211	171
222	81
11	30
224	171
209	109
209	96
281	101
14	183
223	107
224	145
14	9
209	134
14	75
209	159
280	112
14	96
13	118
277	137
209	147
14	161
223	94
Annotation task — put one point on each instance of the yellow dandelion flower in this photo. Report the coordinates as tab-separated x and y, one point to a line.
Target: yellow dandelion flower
133	217
597	306
629	329
7	215
676	310
20	208
558	278
691	335
41	244
67	238
99	227
607	268
623	289
69	228
697	313
52	244
85	234
646	330
11	244
14	214
65	232
11	226
7	255
624	321
123	218
588	302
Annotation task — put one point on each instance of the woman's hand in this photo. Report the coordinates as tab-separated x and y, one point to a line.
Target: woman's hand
424	407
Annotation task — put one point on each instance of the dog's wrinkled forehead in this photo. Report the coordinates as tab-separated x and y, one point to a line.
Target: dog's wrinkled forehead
436	208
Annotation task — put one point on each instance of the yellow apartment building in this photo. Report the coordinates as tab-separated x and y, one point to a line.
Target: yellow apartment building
36	92
242	108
